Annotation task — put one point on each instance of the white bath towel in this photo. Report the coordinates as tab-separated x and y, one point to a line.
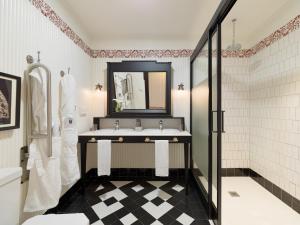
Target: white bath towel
104	157
67	96
162	158
44	186
69	159
39	99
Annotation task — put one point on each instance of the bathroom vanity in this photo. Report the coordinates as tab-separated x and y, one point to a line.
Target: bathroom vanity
138	109
172	130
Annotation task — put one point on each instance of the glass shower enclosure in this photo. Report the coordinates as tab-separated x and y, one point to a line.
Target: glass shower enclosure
206	121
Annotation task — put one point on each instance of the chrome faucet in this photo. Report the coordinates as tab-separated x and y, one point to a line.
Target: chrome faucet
117	125
138	123
160	124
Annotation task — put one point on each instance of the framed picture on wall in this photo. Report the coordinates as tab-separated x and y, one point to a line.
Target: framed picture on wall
10	94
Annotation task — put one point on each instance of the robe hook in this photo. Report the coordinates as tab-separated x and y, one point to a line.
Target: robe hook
62	73
38	56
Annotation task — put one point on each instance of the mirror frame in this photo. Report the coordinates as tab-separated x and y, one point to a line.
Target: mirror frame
138	66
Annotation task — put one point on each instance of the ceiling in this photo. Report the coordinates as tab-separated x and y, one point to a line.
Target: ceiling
173	24
156	20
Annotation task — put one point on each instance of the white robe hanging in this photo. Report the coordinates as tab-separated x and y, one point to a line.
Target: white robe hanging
69	160
44	186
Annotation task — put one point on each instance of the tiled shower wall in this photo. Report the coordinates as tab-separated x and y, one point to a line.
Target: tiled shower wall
275	113
261	97
235	103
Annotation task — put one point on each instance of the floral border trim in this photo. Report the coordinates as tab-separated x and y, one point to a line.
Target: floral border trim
48	12
280	33
142	53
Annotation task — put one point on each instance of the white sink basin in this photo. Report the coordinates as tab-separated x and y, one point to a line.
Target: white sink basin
161	132
124	131
152	131
170	131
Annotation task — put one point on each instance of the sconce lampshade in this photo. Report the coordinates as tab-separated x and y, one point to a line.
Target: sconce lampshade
181	87
99	87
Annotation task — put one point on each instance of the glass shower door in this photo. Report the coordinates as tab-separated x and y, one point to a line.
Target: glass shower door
216	126
200	120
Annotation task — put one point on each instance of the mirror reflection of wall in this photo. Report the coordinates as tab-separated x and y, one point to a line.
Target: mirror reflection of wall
157	90
140	90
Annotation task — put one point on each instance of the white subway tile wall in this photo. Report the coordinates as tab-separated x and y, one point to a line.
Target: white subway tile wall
274	103
261	97
235	103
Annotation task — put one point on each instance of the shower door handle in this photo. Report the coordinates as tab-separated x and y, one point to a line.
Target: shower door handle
223	130
222	122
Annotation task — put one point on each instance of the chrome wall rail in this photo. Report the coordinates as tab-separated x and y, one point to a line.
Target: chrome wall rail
29	133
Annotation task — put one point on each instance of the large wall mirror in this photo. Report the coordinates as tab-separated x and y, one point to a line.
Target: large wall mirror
139	88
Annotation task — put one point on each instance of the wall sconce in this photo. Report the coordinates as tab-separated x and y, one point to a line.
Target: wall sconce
99	87
181	87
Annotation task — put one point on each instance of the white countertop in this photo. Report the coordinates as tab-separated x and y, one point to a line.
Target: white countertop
132	132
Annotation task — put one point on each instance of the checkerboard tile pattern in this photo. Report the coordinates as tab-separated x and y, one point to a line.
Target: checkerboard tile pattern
138	202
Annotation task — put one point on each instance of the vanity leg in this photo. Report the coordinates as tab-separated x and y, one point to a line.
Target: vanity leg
83	146
186	166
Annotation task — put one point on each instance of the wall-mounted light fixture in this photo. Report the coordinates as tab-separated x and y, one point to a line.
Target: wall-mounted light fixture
181	87
99	87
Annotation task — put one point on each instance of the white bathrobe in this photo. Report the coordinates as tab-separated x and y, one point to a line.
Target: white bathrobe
69	160
44	186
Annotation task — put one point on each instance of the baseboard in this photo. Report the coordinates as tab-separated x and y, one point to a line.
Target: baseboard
235	172
281	194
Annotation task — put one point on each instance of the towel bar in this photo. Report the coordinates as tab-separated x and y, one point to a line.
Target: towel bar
148	140
29	130
121	140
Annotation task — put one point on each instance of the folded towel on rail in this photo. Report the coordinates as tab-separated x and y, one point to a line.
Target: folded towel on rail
104	157
162	158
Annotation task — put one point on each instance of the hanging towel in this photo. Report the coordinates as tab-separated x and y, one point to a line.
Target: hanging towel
104	157
44	186
39	99
162	158
69	159
67	96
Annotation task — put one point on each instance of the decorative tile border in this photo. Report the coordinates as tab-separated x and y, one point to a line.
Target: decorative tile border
142	53
48	12
283	31
285	197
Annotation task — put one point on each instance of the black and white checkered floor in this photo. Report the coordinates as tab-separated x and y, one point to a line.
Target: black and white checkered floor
138	202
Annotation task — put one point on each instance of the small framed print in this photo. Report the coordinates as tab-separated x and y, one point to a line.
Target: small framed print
10	94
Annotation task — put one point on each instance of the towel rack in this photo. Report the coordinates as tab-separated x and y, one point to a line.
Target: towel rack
30	135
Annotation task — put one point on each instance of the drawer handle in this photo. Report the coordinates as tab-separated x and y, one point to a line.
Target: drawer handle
147	139
121	139
175	139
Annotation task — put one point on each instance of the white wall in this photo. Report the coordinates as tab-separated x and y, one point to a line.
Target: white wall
136	155
24	30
